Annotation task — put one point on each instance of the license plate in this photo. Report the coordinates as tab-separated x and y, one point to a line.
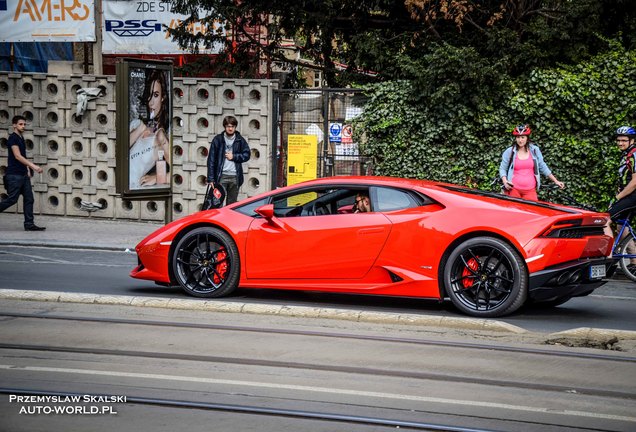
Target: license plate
597	271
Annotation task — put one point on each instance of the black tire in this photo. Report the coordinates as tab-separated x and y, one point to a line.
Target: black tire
206	263
628	269
486	277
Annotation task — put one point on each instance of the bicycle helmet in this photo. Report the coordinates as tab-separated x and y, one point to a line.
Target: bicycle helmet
626	131
522	130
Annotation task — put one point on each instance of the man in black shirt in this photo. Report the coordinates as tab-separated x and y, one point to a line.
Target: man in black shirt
17	179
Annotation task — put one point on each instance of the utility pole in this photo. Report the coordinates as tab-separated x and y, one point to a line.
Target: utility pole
97	46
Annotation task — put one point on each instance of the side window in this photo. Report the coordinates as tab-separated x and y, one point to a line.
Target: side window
248	209
315	202
393	199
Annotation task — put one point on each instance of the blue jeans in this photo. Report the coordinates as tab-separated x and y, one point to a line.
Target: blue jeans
17	185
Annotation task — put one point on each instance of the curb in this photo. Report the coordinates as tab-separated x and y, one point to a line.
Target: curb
62	245
595	334
260	309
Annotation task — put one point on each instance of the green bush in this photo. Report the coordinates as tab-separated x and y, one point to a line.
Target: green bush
452	124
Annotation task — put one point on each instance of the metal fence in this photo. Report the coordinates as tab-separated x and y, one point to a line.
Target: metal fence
318	112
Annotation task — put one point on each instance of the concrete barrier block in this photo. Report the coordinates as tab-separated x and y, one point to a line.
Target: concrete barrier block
5	118
200	124
180	181
127	209
55	175
108	205
198	181
102	148
77	147
7	87
74	202
102	176
28	88
198	152
54	91
179	152
100	119
53	118
76	123
53	202
78	176
153	210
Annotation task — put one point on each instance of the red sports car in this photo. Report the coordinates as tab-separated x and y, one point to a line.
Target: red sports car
487	252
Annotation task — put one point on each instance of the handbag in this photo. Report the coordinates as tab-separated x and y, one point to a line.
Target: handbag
214	197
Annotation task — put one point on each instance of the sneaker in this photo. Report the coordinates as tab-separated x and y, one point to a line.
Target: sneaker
34	228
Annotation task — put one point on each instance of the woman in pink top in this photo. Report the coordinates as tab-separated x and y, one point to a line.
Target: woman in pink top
523	162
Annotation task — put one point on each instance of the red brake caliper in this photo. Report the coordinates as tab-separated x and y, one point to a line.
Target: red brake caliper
472	265
221	269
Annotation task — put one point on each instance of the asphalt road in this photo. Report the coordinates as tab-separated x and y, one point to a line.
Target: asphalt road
82	271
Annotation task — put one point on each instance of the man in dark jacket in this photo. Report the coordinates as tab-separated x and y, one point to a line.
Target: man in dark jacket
17	180
228	150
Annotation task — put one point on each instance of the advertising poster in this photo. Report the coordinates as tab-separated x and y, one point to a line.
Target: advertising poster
150	117
143	27
144	135
47	21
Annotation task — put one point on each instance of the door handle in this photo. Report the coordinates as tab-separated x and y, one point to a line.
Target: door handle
373	230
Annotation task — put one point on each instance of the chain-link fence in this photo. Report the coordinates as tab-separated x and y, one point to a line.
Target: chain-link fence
326	114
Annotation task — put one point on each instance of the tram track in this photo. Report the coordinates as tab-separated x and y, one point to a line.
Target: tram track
321	416
289	373
311	333
399	373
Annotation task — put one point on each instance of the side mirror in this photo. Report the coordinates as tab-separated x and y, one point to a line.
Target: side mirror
267	211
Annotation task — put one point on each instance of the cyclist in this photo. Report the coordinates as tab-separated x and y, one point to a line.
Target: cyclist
626	196
522	162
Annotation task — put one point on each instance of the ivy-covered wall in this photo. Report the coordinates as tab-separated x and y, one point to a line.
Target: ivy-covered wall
458	133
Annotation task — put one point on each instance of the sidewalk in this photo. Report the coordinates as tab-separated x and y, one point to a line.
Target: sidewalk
74	232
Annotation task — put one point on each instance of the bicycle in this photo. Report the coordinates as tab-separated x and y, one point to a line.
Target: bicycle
624	240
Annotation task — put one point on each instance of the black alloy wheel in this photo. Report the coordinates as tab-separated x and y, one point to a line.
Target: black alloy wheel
206	263
486	277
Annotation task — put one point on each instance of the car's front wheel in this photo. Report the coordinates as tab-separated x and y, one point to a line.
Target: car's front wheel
206	263
485	277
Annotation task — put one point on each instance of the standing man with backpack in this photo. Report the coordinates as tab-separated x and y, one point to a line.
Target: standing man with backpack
17	179
228	151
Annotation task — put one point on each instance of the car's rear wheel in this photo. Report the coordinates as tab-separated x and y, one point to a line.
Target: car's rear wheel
485	277
206	263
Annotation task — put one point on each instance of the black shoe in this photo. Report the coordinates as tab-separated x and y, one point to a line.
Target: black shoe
34	228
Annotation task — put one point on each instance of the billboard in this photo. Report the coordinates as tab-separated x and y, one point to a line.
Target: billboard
47	21
142	27
144	136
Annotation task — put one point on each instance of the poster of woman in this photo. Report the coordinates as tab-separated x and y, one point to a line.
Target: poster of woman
150	109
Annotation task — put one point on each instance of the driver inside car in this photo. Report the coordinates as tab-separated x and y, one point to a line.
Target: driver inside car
362	204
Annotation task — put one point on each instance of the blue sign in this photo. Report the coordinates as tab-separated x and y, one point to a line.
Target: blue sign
335	132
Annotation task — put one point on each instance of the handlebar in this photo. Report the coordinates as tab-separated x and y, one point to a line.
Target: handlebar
568	198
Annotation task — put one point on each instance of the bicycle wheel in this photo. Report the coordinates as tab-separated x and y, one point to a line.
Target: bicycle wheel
624	262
